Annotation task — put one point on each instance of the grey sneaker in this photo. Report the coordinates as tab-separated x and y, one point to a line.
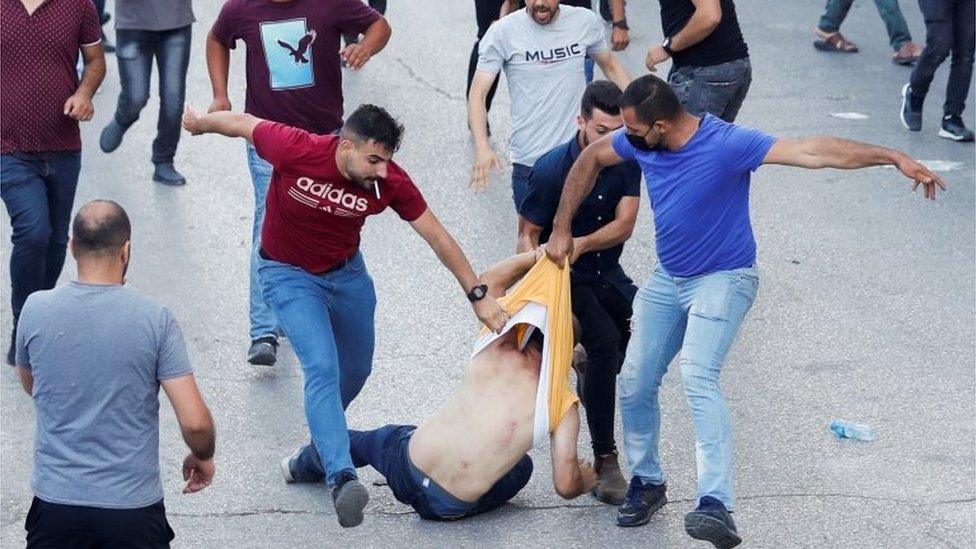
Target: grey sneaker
286	466
166	174
955	129
111	137
263	351
911	110
350	498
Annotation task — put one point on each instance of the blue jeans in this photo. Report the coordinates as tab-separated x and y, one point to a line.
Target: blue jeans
135	52
387	450
262	318
329	320
698	316
520	183
716	89
890	11
38	190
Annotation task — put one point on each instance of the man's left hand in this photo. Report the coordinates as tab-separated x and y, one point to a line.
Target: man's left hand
619	39
916	171
490	313
355	56
79	107
655	56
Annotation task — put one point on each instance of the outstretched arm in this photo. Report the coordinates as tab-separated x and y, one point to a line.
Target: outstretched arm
500	276
570	476
612	67
834	152
579	183
221	122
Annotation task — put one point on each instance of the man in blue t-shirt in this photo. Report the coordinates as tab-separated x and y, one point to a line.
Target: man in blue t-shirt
697	171
602	291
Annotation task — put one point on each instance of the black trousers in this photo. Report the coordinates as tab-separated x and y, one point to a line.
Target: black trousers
56	526
949	27
486	12
604	316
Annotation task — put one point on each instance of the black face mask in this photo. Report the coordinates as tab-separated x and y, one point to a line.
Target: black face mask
639	142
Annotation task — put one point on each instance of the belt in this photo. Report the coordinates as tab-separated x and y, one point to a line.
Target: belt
336	267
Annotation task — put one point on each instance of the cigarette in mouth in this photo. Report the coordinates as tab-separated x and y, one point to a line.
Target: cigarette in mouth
376	187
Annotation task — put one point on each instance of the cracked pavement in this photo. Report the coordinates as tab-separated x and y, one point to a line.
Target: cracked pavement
865	311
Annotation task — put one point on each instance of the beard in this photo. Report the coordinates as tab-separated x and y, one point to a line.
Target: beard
547	13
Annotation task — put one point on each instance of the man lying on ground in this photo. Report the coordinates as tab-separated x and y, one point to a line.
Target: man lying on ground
471	456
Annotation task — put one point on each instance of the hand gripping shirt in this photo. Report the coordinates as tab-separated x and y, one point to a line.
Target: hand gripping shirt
541	301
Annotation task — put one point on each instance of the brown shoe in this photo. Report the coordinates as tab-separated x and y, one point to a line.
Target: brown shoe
610	484
833	42
907	55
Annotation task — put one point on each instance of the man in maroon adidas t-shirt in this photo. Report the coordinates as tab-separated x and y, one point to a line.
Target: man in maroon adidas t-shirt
322	189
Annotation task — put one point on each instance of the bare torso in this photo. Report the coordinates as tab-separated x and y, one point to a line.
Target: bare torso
486	427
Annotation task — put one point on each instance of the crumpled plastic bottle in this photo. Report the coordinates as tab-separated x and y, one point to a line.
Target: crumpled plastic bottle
849	429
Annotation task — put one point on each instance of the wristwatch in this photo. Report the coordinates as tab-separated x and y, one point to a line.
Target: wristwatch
666	46
478	293
622	24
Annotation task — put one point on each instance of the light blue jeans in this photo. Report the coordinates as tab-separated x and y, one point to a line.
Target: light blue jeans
329	320
698	316
263	321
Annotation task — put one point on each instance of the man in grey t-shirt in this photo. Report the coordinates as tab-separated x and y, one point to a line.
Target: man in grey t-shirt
542	49
144	30
93	355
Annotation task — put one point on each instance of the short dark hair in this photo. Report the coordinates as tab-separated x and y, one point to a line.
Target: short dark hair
100	227
652	99
370	122
603	95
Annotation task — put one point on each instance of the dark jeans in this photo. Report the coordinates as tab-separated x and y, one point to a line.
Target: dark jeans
486	12
949	28
890	12
385	449
38	190
520	183
604	316
135	52
378	5
55	526
718	89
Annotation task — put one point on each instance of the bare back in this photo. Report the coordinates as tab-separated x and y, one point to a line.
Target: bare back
486	426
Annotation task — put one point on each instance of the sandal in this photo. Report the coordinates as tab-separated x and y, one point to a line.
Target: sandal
834	42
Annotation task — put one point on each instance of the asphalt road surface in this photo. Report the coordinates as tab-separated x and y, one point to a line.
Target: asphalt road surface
865	310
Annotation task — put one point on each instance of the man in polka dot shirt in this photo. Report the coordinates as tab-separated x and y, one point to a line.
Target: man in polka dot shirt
40	141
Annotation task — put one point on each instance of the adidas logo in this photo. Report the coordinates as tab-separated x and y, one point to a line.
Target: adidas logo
333	194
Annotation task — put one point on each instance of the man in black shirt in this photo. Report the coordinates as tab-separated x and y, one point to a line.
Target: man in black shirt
710	69
602	292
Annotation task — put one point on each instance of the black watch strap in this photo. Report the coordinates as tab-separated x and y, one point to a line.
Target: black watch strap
622	24
666	46
478	293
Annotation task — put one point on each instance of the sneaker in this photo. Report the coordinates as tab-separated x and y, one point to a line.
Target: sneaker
712	522
286	466
907	55
642	501
12	350
953	128
111	137
166	174
263	351
911	109
610	484
350	498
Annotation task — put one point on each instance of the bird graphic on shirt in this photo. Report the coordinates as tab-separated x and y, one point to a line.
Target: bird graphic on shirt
303	44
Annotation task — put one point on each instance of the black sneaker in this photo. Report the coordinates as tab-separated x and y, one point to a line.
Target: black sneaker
711	521
911	109
12	350
642	501
111	136
953	128
350	498
166	174
263	351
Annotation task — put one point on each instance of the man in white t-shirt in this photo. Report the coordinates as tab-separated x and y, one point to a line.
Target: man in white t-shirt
542	50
